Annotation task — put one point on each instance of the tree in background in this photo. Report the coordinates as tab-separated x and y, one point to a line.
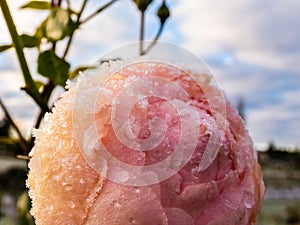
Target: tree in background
241	108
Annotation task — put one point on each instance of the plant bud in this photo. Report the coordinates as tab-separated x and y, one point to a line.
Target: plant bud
142	4
163	12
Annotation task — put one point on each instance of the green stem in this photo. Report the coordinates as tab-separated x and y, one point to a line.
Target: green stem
78	22
49	87
24	144
81	10
68	5
158	34
98	11
68	45
72	34
142	27
30	86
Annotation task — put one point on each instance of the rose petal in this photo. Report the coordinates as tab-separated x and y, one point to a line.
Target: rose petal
177	216
118	204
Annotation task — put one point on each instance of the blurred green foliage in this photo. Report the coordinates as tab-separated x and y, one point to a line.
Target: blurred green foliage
280	212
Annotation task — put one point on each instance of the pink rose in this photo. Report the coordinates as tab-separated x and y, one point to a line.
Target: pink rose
144	143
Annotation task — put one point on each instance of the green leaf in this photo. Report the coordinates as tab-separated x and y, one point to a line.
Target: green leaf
58	25
4	47
42	5
40	30
30	41
53	67
76	71
27	41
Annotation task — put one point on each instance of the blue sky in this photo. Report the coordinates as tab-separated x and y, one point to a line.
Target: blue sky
252	46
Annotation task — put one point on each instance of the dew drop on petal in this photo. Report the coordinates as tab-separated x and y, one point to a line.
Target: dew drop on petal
78	167
115	204
131	221
49	207
81	181
56	177
71	204
249	199
68	188
137	190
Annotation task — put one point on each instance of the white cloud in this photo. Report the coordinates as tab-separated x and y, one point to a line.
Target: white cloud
26	20
20	106
277	122
252	46
115	26
271	99
281	119
260	32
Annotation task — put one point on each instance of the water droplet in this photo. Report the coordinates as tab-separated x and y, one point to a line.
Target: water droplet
49	207
71	204
168	117
131	220
56	177
137	190
68	188
115	204
81	181
78	167
249	199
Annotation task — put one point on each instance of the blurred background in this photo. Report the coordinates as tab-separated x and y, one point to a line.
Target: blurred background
252	47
